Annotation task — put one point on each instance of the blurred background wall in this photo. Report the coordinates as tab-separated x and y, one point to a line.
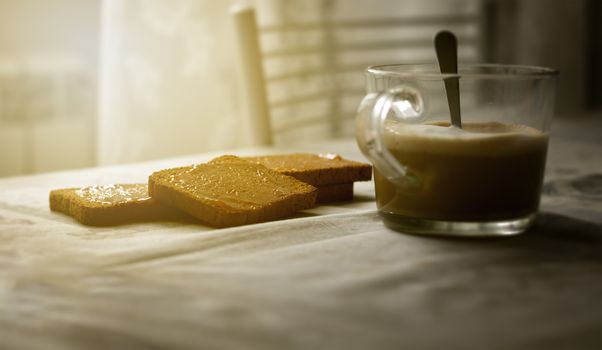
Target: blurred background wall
563	34
87	82
48	77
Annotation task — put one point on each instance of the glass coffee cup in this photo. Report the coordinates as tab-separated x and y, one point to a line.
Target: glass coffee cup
483	179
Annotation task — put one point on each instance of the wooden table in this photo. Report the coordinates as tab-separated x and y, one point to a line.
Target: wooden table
333	277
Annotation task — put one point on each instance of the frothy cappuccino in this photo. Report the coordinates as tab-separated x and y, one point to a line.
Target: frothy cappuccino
484	171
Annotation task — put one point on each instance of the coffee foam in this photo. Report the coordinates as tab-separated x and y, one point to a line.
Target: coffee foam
481	139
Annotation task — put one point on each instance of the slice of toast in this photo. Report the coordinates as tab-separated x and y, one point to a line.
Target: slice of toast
335	193
317	170
229	191
114	204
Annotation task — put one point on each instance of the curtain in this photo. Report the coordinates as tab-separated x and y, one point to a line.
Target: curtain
167	81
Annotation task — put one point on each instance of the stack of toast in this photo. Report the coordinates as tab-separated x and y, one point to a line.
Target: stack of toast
332	175
227	191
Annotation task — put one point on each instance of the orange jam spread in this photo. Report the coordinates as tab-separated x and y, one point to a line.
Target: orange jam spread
113	194
302	161
230	182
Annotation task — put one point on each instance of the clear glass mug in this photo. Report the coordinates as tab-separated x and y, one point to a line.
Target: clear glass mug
483	179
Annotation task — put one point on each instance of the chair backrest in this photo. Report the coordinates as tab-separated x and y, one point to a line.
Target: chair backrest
305	80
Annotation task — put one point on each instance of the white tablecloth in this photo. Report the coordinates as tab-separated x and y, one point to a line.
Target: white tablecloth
332	277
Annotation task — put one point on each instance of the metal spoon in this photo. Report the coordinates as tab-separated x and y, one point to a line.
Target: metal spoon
446	47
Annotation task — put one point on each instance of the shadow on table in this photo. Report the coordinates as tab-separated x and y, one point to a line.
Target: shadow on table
566	228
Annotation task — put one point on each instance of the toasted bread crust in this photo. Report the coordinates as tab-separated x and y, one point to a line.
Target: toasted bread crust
316	170
229	191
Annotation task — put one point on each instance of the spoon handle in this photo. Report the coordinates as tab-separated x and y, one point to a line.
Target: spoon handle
446	47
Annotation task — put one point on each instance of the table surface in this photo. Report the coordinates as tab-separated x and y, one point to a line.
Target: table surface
332	277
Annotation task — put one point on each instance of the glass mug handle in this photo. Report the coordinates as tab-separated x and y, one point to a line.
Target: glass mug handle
401	103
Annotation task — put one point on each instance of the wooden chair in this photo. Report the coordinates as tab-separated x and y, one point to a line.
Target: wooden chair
304	81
